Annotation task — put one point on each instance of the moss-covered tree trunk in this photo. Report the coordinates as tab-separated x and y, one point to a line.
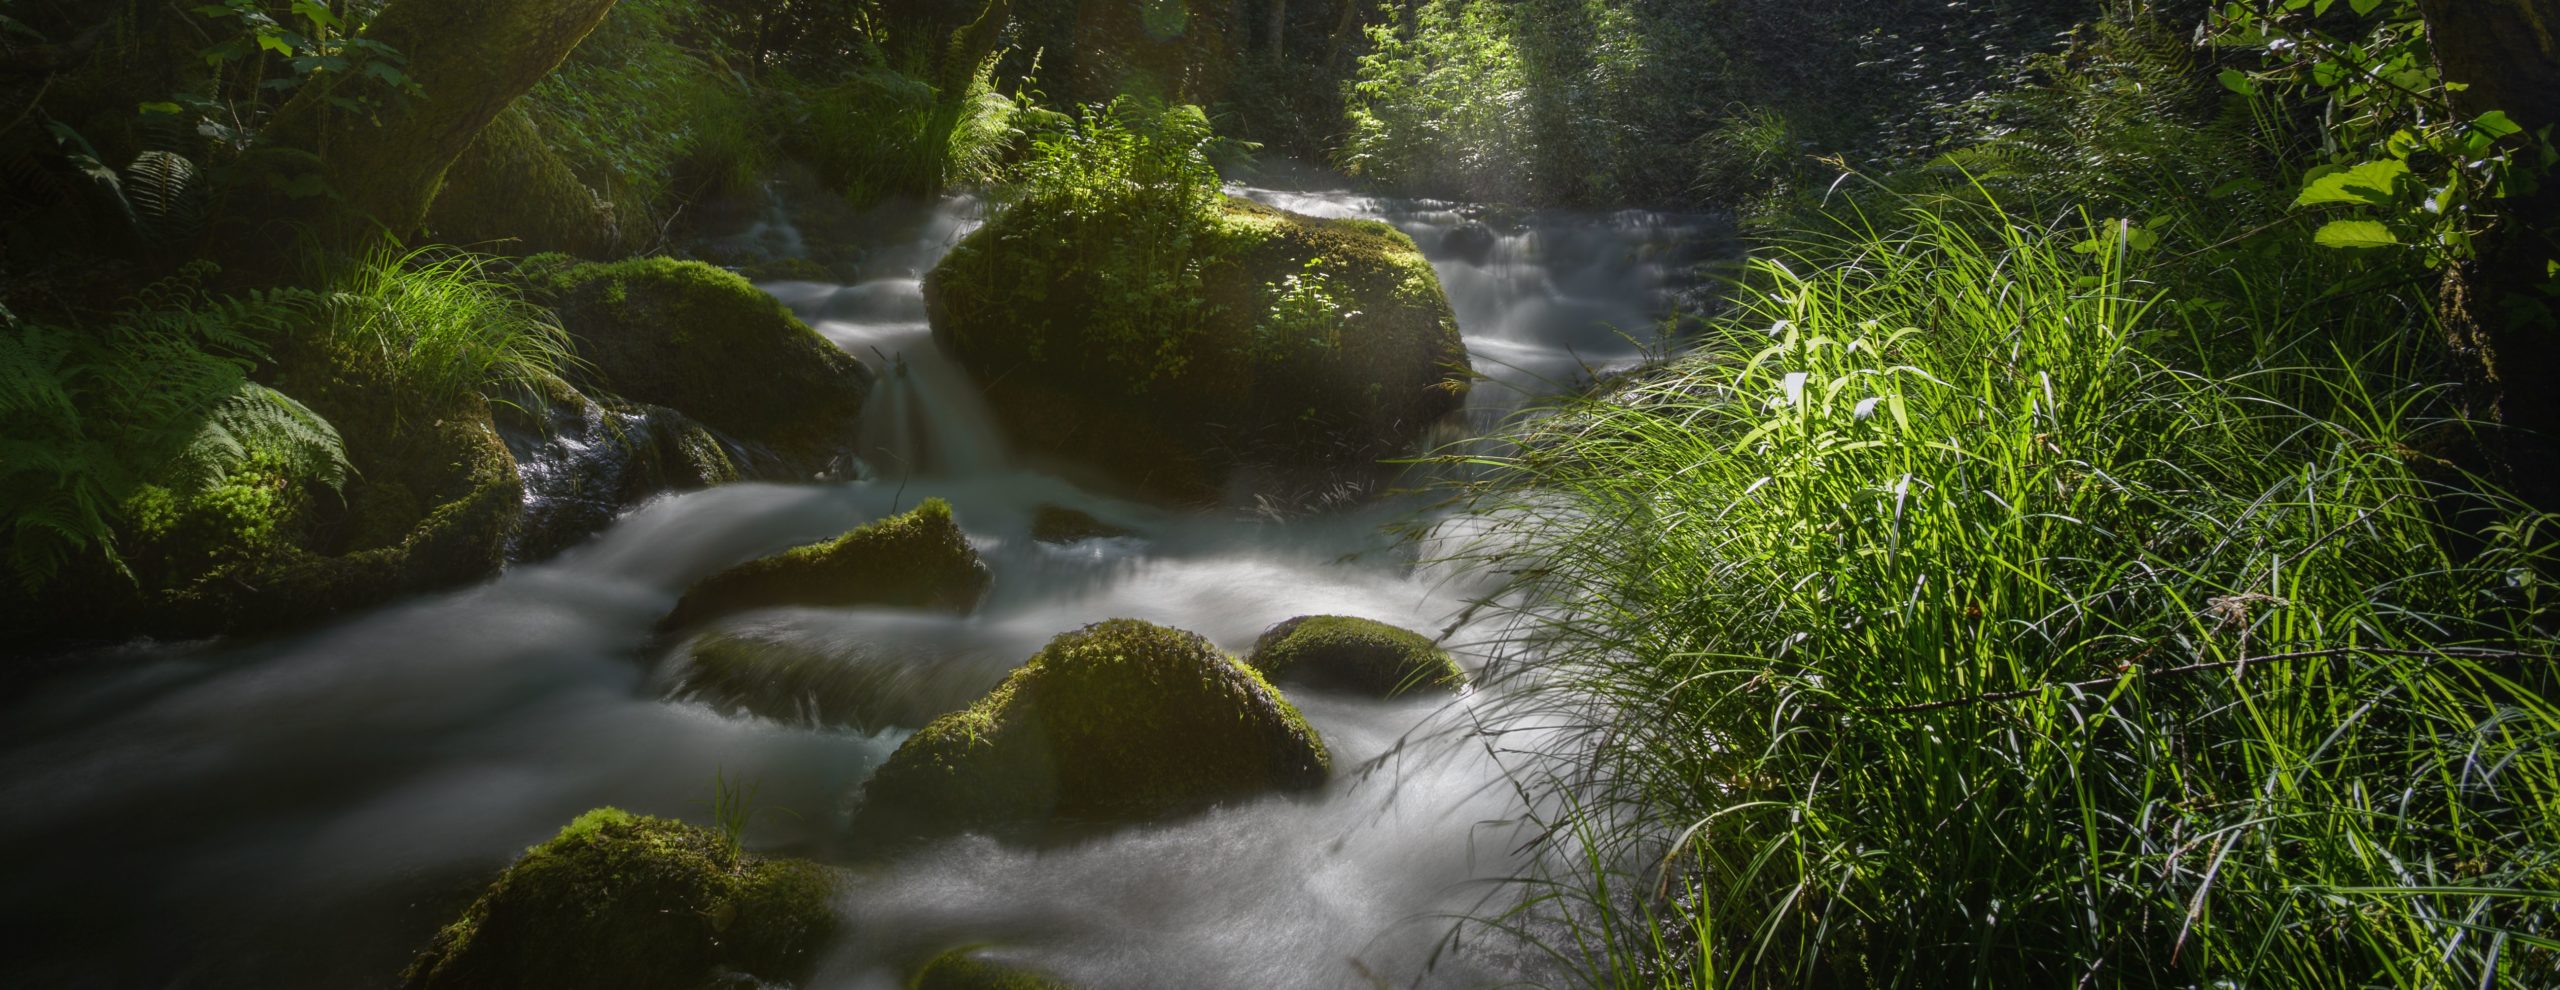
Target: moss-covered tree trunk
2498	308
472	58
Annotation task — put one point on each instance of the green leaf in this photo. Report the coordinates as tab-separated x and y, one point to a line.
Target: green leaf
2354	235
2369	184
2497	124
274	44
162	108
2238	82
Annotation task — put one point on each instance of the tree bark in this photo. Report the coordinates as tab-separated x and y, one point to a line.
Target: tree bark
2498	314
1279	30
472	58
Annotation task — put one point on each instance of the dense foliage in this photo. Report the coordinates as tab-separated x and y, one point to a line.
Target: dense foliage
2044	575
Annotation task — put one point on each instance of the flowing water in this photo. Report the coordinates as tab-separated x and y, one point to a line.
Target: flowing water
304	812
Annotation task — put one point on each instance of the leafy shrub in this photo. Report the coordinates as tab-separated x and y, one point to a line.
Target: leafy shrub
636	110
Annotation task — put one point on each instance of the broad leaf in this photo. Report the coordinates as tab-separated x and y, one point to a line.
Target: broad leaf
2355	235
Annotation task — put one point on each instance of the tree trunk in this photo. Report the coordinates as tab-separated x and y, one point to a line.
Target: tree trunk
2497	311
1279	30
472	58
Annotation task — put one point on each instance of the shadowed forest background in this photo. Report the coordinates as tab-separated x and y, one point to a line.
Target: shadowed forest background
1594	493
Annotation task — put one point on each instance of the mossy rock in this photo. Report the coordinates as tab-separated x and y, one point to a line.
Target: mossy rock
1175	415
511	192
707	343
799	678
586	462
1116	722
971	969
622	902
1339	652
918	559
434	498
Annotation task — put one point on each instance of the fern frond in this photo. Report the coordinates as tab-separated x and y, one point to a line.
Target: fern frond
167	202
258	423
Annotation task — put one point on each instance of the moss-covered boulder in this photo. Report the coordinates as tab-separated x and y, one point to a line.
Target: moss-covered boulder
511	192
1118	721
971	969
1301	346
801	677
1342	653
919	559
621	902
705	342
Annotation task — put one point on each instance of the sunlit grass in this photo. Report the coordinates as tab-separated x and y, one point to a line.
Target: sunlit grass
1972	612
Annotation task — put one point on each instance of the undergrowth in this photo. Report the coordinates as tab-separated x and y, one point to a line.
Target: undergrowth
2040	579
445	324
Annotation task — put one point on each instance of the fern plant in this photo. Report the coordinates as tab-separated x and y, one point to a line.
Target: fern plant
89	417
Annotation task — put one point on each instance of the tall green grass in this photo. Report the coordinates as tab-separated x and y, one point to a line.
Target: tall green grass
1975	612
446	324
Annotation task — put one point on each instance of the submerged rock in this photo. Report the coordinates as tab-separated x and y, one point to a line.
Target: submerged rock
1471	242
1118	721
584	462
970	969
1059	525
1344	653
919	559
801	679
1307	347
621	902
707	343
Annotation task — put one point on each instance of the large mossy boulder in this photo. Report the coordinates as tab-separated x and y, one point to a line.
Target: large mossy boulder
1119	721
1300	347
621	902
707	343
1365	656
918	559
511	192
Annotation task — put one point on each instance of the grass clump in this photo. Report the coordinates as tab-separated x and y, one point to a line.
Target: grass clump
1972	612
446	325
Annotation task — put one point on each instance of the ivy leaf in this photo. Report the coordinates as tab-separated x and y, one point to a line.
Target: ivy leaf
2354	235
2369	184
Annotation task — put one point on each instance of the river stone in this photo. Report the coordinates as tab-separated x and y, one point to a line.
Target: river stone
1118	721
621	902
707	343
970	969
1016	305
1341	652
1060	525
797	677
1471	242
919	559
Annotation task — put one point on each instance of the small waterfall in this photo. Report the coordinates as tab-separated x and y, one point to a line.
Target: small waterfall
926	420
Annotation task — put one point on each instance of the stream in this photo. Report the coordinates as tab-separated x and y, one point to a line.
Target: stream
306	811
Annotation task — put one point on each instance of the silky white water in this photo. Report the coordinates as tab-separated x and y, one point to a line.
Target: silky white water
305	811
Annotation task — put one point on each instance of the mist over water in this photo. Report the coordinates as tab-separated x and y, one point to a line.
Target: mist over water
305	811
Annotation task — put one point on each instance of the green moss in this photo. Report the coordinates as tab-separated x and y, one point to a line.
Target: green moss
1354	654
1022	304
707	343
1117	721
967	969
632	903
511	192
920	559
